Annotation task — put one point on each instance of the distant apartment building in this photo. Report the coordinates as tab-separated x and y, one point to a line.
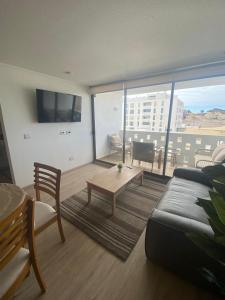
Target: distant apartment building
149	112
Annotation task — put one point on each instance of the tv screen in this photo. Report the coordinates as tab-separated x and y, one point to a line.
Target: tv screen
58	107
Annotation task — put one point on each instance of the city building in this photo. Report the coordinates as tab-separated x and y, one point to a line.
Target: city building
149	112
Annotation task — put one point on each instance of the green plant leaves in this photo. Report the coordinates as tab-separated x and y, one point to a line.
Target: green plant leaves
207	206
215	209
212	249
217	226
220	240
219	204
219	185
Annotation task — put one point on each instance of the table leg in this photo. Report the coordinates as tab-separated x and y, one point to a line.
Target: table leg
142	178
159	158
89	194
173	159
113	204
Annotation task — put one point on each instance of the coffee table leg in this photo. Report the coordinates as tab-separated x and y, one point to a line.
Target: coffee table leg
113	204
89	194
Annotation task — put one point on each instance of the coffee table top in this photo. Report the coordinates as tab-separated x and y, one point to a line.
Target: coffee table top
112	180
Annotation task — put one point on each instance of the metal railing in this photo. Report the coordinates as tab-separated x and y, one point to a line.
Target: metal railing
185	144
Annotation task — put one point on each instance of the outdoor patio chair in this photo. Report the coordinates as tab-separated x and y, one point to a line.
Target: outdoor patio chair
205	157
116	143
143	152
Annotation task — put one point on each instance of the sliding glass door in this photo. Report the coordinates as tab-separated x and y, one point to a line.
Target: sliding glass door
146	125
197	123
109	113
166	126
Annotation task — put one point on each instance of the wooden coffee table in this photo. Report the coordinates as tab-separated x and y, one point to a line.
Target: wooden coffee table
112	182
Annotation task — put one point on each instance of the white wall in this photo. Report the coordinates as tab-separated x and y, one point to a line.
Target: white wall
108	119
18	104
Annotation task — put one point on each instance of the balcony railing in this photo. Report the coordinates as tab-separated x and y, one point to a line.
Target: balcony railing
185	144
182	146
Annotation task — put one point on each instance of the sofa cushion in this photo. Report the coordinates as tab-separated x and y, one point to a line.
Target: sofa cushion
193	174
189	187
181	197
217	151
220	156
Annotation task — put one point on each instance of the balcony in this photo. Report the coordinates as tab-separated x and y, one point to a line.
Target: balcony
182	148
196	114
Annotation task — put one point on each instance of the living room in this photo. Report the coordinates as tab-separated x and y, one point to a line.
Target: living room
112	115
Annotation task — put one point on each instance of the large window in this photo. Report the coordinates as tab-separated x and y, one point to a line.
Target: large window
149	125
196	114
197	123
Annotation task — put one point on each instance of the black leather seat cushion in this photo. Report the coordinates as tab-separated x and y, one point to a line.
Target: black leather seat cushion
181	197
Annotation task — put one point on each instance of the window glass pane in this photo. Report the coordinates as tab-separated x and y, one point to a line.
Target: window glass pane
109	126
150	107
198	122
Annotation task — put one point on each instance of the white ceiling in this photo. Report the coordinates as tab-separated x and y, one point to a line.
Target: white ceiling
101	41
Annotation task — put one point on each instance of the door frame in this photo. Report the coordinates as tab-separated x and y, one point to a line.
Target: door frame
168	129
95	160
6	145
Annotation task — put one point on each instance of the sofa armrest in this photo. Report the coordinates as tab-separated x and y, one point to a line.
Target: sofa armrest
192	174
167	244
180	223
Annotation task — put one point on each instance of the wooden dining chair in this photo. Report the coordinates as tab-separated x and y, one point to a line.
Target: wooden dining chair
16	230
47	179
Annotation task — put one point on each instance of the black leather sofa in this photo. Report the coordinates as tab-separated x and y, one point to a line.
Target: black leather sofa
177	213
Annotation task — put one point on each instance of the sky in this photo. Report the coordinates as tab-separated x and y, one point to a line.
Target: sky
202	98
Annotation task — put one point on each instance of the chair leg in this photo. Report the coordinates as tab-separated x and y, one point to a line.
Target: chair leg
38	275
60	228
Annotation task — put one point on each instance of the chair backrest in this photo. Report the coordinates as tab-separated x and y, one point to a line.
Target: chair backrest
143	151
115	139
220	157
47	179
217	150
16	230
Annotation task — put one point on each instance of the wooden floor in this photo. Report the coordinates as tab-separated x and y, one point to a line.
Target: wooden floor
82	269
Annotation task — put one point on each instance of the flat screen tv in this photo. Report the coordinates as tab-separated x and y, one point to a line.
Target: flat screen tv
58	107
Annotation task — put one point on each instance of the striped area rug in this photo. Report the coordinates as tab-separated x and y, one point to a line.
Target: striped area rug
118	233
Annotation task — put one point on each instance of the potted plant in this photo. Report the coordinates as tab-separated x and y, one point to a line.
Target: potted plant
215	209
120	166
